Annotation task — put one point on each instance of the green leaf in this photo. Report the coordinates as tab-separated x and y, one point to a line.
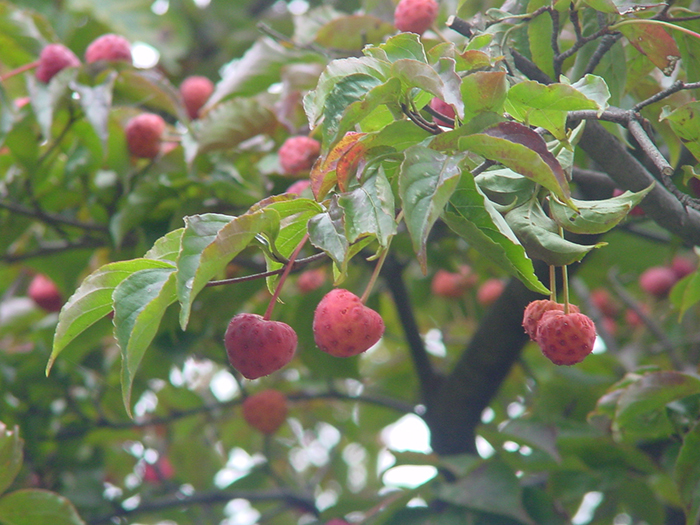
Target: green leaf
369	209
167	248
209	242
547	106
485	92
230	123
315	101
150	88
686	293
685	122
415	74
687	474
595	89
11	455
535	434
97	103
539	33
93	300
474	218
259	68
427	179
522	150
596	216
24	34
46	98
140	301
327	233
399	47
540	236
641	409
491	487
352	32
34	506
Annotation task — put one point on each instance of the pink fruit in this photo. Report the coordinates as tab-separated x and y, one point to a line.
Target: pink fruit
657	281
54	58
337	521
602	300
161	470
443	108
343	326
488	292
299	186
266	410
311	280
143	135
415	16
44	292
195	92
257	347
536	309
452	284
298	154
566	339
682	266
109	47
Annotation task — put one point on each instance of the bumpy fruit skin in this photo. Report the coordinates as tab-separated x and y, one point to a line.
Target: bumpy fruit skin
657	281
415	16
298	154
44	292
195	91
54	58
566	339
443	108
488	292
256	347
109	47
536	309
266	411
452	284
343	326
143	135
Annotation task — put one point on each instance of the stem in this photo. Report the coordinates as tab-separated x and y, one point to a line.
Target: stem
375	274
21	69
658	22
565	287
552	283
283	277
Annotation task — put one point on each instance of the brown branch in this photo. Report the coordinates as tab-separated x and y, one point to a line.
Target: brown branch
679	85
51	218
51	248
297	264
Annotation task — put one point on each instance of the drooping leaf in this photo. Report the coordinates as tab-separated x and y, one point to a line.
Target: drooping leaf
524	151
327	232
369	209
209	242
167	247
641	409
46	98
540	236
596	216
535	434
685	122
415	74
474	218
399	47
483	91
11	455
491	487
97	103
93	300
33	506
140	301
687	474
685	293
344	156
539	33
230	123
536	104
426	181
652	40
150	88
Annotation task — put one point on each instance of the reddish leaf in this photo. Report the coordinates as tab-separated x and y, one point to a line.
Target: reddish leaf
324	174
653	41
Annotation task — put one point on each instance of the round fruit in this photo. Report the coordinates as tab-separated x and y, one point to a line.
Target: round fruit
298	154
54	58
109	47
682	266
415	16
299	186
257	347
143	135
602	300
343	326
311	280
44	292
536	309
266	410
566	339
195	92
452	284
488	292
161	470
657	281
443	108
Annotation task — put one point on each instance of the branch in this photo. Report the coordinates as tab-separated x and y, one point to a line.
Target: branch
302	501
51	218
297	264
51	248
427	377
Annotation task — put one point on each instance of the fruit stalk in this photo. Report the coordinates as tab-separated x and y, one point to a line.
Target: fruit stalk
19	70
283	277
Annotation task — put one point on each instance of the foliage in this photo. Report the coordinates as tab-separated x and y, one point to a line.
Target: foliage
137	416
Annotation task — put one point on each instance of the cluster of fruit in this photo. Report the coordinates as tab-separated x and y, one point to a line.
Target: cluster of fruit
565	335
453	285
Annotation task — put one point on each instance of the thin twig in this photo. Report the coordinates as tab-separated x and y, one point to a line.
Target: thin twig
51	218
297	264
679	85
